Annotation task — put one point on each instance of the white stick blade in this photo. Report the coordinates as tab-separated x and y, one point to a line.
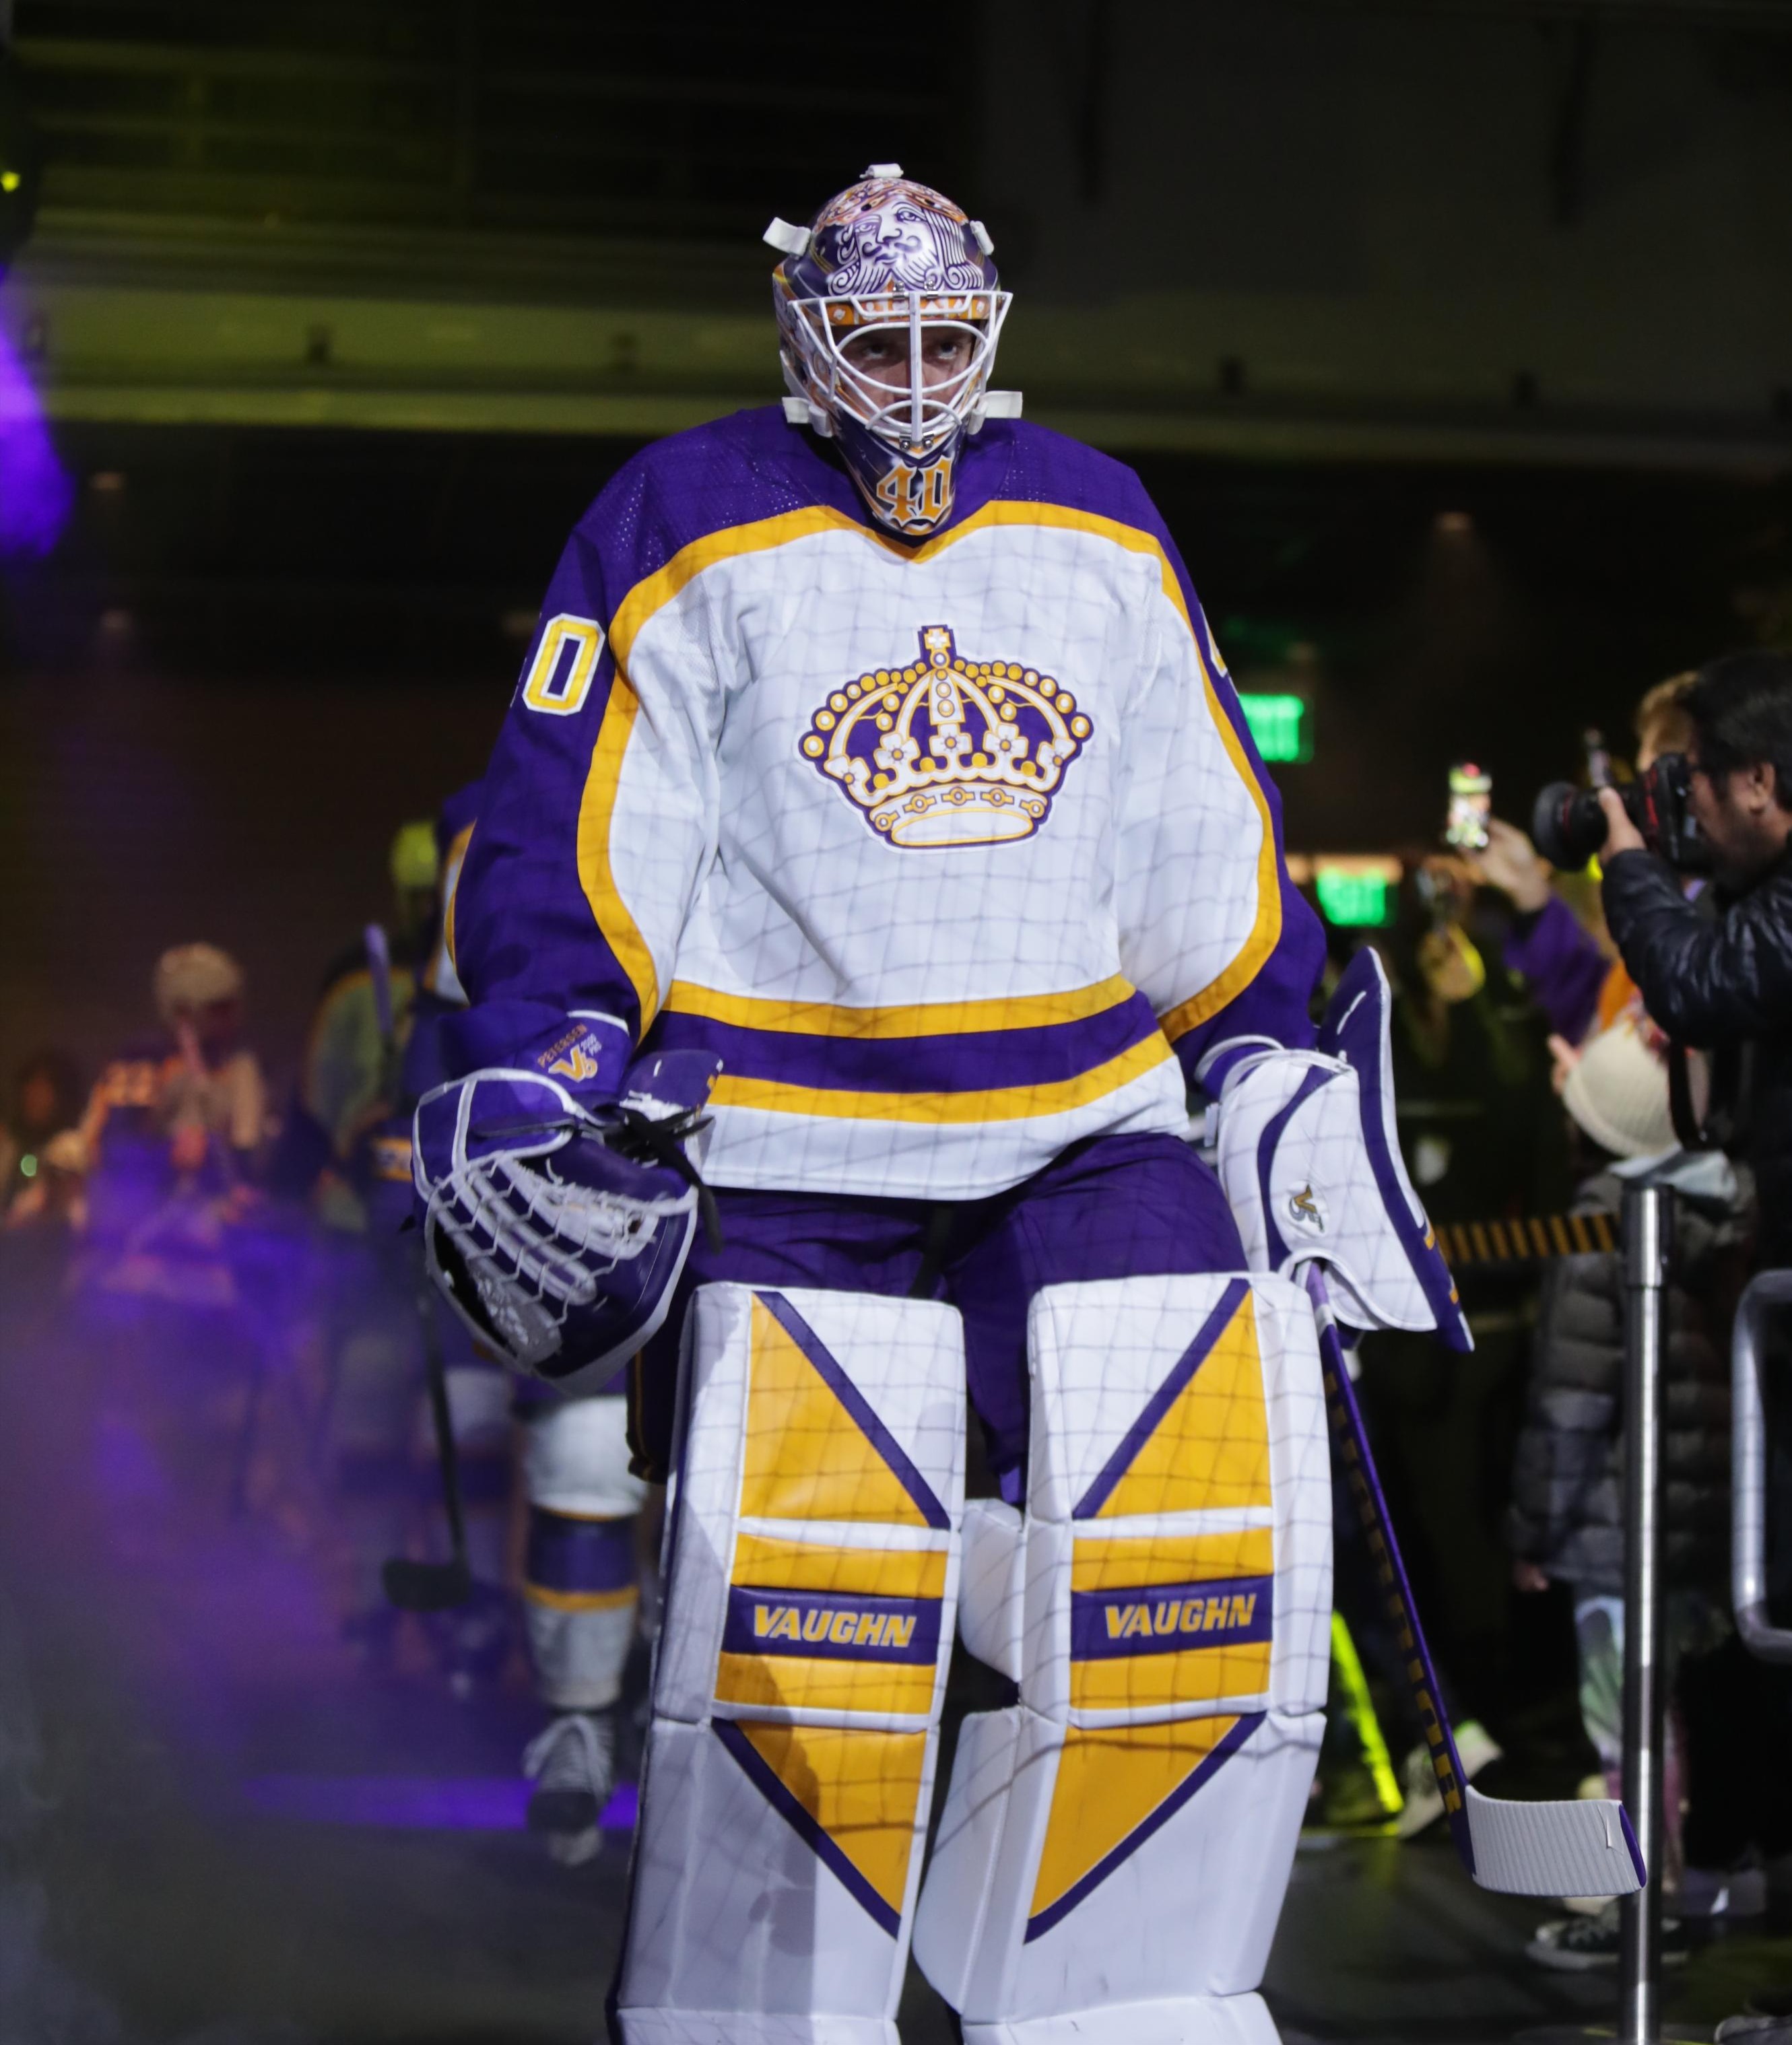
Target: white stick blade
1582	1848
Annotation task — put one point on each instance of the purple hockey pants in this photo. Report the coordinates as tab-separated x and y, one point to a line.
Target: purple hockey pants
1114	1207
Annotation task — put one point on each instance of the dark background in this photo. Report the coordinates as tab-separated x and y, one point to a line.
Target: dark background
1454	338
340	315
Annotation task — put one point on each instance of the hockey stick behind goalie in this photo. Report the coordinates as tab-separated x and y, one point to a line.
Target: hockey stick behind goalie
1307	1151
411	1585
1585	1847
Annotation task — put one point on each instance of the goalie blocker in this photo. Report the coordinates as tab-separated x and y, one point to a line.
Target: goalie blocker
1115	1844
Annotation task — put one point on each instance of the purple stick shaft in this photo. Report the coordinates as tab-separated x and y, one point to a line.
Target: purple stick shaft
1372	1508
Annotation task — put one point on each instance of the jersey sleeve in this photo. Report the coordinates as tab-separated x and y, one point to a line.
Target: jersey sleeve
1212	928
596	820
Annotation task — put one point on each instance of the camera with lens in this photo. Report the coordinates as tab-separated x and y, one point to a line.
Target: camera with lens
1568	827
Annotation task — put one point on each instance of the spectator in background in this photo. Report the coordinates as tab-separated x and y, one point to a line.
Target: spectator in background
212	1093
1572	978
1565	1521
47	1099
55	1196
348	1072
1717	975
196	1095
1722	981
1470	1070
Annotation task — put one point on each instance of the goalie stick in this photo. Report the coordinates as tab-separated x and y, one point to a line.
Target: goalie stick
411	1585
1578	1848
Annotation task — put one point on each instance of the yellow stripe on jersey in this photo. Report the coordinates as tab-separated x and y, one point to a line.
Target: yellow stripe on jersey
920	1018
454	865
657	589
991	1104
621	932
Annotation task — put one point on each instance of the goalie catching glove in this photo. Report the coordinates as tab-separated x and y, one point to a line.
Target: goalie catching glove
1310	1162
555	1221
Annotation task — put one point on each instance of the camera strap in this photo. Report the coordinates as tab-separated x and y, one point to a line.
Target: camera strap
1731	1106
1686	1124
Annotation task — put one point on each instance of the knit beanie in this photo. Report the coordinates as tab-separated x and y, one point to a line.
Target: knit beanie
192	976
1617	1092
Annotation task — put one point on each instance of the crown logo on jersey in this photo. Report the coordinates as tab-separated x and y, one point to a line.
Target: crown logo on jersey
948	751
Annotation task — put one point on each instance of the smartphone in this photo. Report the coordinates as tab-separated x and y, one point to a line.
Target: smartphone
1471	804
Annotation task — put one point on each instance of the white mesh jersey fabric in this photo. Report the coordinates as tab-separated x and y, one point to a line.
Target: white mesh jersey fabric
915	894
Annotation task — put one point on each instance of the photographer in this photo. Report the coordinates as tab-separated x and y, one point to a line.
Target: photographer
1717	975
1723	981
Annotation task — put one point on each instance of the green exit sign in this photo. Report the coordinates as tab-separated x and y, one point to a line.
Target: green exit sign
1353	901
1355	891
1280	725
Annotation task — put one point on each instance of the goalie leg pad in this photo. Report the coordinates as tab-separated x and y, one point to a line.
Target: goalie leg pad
812	1566
581	1583
1114	1849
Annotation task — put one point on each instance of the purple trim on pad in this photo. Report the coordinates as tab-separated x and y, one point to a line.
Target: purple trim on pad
808	1623
1161	1401
849	1396
1054	1913
1359	1042
800	1821
568	1554
1105	1626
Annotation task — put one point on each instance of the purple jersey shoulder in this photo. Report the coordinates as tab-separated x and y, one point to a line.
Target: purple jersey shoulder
1016	460
755	464
731	471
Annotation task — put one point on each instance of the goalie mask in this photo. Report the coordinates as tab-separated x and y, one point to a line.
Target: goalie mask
888	257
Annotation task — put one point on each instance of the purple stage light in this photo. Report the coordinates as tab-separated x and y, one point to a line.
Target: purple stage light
414	1803
37	492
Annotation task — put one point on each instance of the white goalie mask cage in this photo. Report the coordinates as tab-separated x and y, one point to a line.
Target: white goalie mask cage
917	420
889	254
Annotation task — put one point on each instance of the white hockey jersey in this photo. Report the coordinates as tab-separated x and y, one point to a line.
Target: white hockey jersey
946	850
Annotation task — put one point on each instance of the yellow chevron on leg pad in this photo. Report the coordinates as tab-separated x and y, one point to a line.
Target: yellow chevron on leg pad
1203	1439
1114	1789
814	1449
854	1796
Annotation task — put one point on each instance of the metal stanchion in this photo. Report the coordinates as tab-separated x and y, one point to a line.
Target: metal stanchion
1648	1237
1648	1222
1749	1469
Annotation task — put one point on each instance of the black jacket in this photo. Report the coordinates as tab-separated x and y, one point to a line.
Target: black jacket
1722	984
1566	1513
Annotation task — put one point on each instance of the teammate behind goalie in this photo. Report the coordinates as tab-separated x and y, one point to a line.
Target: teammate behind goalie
873	760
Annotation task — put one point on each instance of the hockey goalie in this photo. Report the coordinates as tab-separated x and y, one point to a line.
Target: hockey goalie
873	866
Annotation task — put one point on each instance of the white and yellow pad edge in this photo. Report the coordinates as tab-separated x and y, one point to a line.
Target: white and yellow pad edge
812	1554
1114	1848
